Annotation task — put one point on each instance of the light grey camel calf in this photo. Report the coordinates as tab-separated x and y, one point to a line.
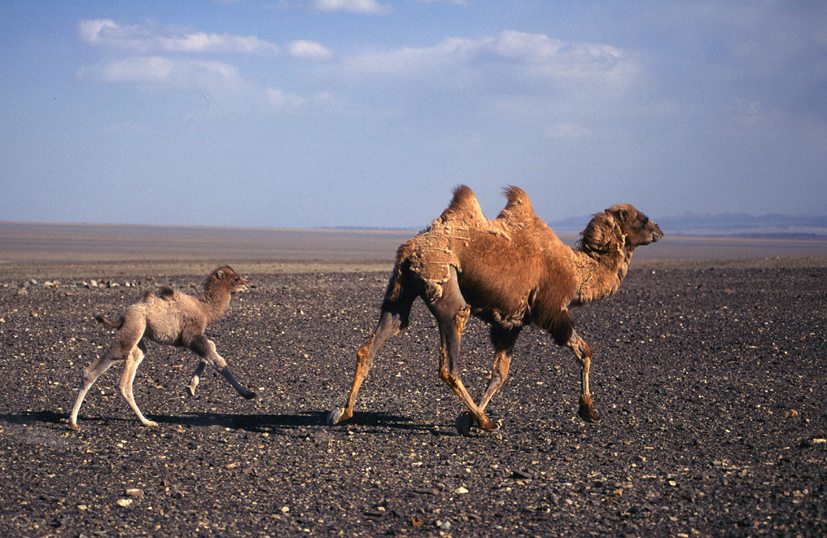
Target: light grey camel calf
167	317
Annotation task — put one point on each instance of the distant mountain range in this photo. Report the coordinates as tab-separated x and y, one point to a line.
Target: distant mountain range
724	224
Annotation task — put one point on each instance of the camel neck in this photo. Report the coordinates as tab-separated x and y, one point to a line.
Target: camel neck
600	274
215	304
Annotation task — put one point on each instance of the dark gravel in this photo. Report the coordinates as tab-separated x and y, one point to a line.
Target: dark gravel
709	379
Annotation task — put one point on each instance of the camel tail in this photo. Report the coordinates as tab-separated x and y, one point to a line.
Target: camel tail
117	324
401	269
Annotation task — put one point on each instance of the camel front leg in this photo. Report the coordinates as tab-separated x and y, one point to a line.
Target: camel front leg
196	377
583	354
503	340
205	348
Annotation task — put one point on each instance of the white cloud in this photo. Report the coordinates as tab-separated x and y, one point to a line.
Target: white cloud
453	2
366	7
161	70
506	59
560	131
283	101
321	101
309	50
145	39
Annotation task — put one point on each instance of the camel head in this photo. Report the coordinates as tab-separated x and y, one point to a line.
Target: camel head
226	278
619	227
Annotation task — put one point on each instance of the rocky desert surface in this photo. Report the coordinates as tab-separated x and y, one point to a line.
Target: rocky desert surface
709	376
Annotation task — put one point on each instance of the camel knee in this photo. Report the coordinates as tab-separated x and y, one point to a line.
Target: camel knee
461	318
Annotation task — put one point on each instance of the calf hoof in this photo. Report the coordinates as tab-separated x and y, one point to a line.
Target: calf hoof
250	395
191	392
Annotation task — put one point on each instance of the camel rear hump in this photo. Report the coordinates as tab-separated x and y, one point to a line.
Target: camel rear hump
518	208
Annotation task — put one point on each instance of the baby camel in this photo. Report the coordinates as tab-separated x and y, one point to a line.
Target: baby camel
510	272
167	317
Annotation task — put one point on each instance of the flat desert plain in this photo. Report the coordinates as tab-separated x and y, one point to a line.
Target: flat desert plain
708	372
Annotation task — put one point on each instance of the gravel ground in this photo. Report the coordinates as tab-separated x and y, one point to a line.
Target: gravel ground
709	378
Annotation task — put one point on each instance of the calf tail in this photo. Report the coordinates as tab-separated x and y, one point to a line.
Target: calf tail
117	324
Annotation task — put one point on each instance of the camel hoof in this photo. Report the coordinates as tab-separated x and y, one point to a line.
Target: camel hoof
73	426
586	411
334	416
463	423
250	395
191	392
151	424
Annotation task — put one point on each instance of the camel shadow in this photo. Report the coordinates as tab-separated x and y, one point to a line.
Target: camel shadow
284	424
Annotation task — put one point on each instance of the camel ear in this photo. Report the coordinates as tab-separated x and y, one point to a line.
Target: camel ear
220	274
622	214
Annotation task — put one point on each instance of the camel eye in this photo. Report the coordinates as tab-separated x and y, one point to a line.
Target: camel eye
644	222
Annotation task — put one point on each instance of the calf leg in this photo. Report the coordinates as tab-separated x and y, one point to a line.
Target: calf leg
90	374
205	348
133	360
583	354
196	375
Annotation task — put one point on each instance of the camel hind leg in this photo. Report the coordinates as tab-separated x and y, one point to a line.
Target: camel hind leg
452	313
90	374
136	355
128	337
393	319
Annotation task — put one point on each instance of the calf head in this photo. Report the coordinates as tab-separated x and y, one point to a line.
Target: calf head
227	278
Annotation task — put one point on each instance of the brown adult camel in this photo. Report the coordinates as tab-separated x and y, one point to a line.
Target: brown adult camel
510	272
168	317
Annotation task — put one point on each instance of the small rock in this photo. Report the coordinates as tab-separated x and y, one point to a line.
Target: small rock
461	491
124	502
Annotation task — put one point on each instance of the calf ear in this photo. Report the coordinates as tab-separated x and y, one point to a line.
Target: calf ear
220	274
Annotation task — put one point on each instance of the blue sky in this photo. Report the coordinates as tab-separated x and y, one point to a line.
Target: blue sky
367	113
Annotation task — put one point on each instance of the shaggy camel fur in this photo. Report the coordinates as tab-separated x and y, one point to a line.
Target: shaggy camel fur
509	272
167	317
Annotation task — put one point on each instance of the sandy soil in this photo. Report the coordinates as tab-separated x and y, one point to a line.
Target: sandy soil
708	376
